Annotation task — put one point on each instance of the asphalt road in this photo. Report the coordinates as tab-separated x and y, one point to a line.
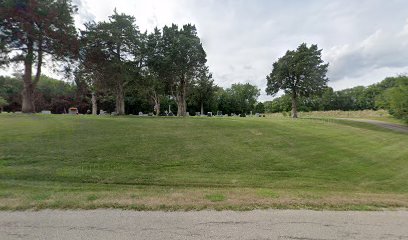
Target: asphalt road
259	224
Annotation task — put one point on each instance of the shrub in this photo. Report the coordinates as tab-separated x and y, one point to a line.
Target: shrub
397	98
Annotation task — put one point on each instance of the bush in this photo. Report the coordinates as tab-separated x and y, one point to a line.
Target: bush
397	99
242	115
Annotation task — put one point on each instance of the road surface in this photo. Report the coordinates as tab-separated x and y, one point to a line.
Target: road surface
259	224
391	126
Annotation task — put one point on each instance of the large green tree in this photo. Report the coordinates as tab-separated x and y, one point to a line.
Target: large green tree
239	98
203	90
153	74
300	73
111	54
31	29
397	99
245	95
183	60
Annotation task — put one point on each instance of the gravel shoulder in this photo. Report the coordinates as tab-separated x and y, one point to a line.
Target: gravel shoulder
258	224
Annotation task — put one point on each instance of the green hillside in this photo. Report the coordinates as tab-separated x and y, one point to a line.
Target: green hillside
59	161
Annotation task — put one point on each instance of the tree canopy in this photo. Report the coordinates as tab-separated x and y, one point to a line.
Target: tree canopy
183	61
31	29
116	65
300	73
111	54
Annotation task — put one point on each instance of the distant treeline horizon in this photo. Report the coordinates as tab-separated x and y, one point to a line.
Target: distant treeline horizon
58	95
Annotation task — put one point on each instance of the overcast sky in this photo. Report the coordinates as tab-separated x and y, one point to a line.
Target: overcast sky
363	41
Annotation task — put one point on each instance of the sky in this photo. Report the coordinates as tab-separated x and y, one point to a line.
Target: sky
363	41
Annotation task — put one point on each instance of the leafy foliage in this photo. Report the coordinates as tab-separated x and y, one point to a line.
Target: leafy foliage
397	99
240	98
31	29
111	54
300	73
387	94
3	102
183	61
203	92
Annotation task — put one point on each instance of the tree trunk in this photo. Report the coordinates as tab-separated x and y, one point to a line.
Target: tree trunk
94	104
202	108
157	105
120	100
181	100
181	106
157	108
28	89
294	106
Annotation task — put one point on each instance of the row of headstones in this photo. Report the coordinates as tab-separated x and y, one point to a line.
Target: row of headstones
209	114
219	114
198	114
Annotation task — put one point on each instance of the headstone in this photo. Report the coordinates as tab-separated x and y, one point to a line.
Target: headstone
73	111
198	114
101	112
225	115
187	114
209	114
140	113
46	112
257	115
219	113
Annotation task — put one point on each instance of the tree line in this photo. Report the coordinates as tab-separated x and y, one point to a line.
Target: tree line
117	67
110	61
391	94
58	96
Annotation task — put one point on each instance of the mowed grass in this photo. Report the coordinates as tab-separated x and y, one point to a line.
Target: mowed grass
379	115
56	161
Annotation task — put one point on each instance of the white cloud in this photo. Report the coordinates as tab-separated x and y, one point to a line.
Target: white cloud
364	41
379	51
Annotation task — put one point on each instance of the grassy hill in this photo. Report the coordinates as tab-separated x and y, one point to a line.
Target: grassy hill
56	161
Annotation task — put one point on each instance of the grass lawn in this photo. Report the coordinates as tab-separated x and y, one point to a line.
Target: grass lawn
57	161
379	115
